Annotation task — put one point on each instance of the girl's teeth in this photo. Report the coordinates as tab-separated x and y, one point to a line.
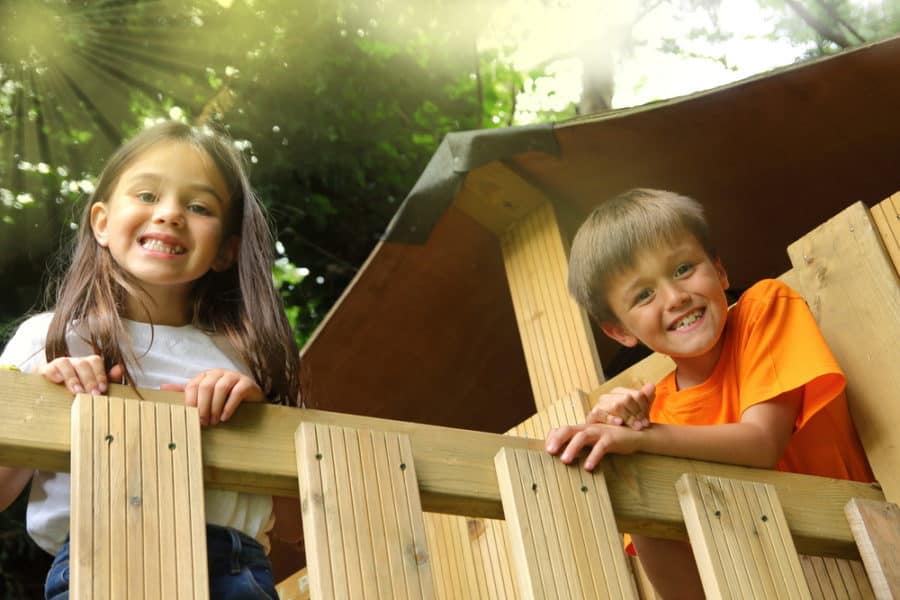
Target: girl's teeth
158	246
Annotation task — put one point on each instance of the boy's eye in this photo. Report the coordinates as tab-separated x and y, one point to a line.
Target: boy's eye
146	197
683	269
643	295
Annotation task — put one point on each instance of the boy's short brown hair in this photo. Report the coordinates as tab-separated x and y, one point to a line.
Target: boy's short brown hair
611	237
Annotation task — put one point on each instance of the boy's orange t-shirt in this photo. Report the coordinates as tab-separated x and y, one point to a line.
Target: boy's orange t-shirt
772	345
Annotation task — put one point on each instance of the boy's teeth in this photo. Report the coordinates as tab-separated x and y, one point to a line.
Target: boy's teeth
689	319
159	246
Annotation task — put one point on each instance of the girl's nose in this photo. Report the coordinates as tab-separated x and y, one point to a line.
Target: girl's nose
168	211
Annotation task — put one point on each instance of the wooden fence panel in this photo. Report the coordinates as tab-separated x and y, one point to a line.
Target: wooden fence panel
137	501
740	539
362	517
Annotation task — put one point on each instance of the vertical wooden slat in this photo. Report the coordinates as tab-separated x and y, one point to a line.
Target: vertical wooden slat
740	539
557	340
333	465
149	502
545	544
115	446
166	516
133	496
81	549
133	505
196	503
181	499
876	529
886	215
101	500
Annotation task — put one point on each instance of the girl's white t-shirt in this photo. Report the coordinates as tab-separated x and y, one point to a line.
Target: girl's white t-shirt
173	355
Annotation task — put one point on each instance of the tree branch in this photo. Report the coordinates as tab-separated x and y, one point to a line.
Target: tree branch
817	25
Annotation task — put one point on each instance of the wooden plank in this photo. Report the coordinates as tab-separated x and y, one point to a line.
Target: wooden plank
197	502
561	551
133	493
557	340
253	452
498	197
102	557
876	528
118	502
886	215
740	539
338	546
149	503
853	290
81	549
295	587
181	499
166	515
129	540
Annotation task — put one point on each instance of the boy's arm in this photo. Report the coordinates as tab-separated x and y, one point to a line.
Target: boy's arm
758	440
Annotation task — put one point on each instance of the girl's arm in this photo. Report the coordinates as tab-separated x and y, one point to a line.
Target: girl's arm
12	482
758	440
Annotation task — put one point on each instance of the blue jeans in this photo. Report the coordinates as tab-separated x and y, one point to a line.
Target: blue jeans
238	568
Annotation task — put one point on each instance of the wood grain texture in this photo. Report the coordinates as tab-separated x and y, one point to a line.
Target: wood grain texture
740	539
557	340
562	529
853	290
876	528
362	519
254	452
137	501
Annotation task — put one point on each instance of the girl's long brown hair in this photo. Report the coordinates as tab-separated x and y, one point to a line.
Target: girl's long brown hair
93	291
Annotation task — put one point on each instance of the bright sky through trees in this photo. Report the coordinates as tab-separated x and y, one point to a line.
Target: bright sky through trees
657	58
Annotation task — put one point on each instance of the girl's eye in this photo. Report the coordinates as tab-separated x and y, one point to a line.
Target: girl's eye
683	269
146	197
200	209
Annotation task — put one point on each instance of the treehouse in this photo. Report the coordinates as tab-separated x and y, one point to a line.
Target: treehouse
431	383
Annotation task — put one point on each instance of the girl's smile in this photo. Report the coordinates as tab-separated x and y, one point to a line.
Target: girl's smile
165	223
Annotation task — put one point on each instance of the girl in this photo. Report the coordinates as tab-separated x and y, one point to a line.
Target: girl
172	253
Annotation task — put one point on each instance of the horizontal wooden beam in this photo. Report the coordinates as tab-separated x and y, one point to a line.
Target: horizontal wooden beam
255	453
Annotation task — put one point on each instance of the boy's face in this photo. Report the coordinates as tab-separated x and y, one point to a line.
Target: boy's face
673	300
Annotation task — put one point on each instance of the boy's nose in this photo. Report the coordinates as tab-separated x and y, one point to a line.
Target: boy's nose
676	297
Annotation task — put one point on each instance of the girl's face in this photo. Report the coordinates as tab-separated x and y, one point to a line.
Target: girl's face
165	223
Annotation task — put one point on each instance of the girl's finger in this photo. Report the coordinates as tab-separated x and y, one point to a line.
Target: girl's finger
220	392
69	376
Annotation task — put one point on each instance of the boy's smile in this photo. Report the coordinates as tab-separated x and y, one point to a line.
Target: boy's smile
672	300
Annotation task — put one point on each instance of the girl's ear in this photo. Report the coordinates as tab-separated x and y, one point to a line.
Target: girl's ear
228	253
99	214
617	331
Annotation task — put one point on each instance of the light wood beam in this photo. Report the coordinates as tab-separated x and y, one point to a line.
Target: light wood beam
254	452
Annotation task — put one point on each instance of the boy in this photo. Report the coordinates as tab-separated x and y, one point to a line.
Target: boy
753	386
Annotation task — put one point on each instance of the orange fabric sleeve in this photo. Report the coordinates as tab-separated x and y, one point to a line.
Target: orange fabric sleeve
780	348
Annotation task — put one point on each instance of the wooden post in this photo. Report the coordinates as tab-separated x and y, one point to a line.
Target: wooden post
562	529
137	501
740	539
362	518
876	529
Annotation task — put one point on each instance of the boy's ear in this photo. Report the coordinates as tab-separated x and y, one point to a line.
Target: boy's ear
228	253
720	270
99	214
617	331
